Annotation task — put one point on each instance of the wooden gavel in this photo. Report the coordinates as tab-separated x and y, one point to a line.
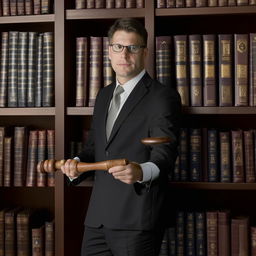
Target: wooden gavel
53	165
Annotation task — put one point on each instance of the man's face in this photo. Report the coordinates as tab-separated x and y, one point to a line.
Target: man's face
127	65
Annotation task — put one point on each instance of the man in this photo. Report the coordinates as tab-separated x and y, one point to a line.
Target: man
127	205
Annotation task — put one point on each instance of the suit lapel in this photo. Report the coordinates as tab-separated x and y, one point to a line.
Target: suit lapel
134	98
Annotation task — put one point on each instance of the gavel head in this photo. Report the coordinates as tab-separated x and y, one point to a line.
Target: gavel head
151	141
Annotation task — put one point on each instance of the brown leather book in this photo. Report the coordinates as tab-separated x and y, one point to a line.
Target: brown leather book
249	157
225	157
212	3
253	241
10	231
99	4
119	4
46	6
28	7
160	4
6	7
130	3
224	233
212	232
37	7
222	3
20	150
8	175
108	72
180	3
237	156
49	238
252	2
181	64
20	7
195	61
2	223
242	2
225	43
13	7
41	177
110	4
2	135
32	158
80	4
23	232
81	71
1	9
38	247
163	59
209	70
140	4
50	155
201	3
231	2
95	76
241	69
252	71
239	236
190	3
90	4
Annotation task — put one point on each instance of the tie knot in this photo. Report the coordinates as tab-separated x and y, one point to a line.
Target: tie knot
119	90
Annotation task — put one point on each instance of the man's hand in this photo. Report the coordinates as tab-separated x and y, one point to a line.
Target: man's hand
69	168
128	174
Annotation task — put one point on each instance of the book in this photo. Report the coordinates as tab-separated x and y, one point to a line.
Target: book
181	64
80	4
38	241
37	7
2	136
49	238
225	43
252	70
213	174
50	155
190	234
224	233
253	240
13	7
180	233
212	232
8	175
28	7
41	155
20	7
2	231
6	7
110	4
241	69
46	6
249	157
108	72
200	230
183	155
119	4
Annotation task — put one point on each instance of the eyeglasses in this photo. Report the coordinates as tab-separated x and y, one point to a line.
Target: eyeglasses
130	48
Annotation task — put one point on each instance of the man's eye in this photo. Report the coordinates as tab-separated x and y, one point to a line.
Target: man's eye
118	46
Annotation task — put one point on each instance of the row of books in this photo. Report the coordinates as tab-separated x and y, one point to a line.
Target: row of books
212	155
25	7
214	233
207	71
25	232
20	151
93	69
27	69
202	3
100	4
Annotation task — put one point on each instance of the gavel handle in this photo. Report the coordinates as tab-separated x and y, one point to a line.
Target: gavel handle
53	165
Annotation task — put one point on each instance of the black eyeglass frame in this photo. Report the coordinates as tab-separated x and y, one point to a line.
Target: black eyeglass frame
128	47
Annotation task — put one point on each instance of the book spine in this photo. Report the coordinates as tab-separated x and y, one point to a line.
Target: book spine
4	69
95	68
81	71
13	7
41	177
32	55
222	3
253	241
171	241
212	3
99	4
183	164
180	233
212	233
190	3
241	70
200	233
32	158
223	233
37	6
51	155
12	69
161	4
80	4
237	156
190	234
110	4
90	4
180	3
2	135
45	6
130	4
195	59
19	155
163	59
39	72
201	3
20	7
249	156
252	91
38	241
28	7
225	43
22	69
225	157
209	64
140	4
7	161
181	64
242	2
48	70
49	238
119	4
108	73
2	231
213	175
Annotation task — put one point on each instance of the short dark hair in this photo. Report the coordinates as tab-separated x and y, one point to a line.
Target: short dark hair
128	25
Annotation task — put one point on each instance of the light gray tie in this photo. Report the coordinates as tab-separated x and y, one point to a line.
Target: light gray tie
112	113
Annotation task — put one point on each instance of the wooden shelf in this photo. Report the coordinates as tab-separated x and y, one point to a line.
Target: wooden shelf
27	111
213	186
104	13
27	19
219	110
80	111
206	11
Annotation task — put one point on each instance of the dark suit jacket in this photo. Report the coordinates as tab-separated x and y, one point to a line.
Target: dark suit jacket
151	110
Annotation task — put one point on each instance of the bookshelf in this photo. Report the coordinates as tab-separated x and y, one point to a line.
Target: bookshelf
69	204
